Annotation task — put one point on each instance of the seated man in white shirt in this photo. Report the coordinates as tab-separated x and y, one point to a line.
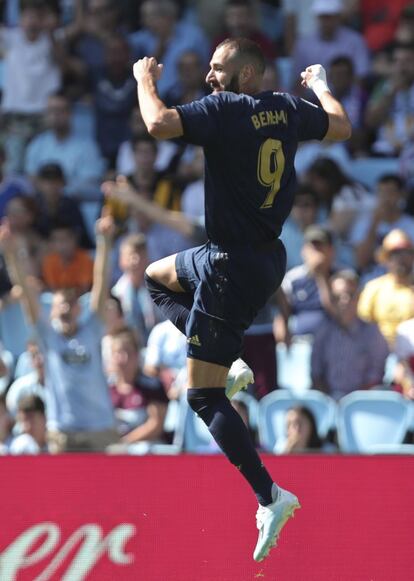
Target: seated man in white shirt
79	157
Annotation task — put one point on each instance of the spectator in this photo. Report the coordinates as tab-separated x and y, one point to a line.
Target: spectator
347	353
299	22
79	157
6	368
31	74
191	83
166	355
404	33
10	185
114	94
53	204
139	310
404	350
380	20
304	213
166	38
114	322
389	299
162	188
66	265
370	228
148	180
6	425
306	287
32	383
125	162
301	432
342	201
95	22
391	107
140	402
79	411
331	40
189	223
353	98
31	419
21	214
241	20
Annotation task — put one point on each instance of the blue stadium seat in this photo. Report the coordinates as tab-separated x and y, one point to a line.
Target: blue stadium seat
193	433
373	421
251	404
368	170
293	365
273	408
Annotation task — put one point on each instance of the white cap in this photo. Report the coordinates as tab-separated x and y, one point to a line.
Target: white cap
327	7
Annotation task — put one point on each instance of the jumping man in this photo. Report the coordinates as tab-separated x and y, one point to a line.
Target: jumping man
213	292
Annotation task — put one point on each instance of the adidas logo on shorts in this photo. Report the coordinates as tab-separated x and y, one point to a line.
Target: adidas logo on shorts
194	340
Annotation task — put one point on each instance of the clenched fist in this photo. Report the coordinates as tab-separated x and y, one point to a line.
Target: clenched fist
147	66
314	77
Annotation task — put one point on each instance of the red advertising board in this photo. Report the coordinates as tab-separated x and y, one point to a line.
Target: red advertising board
188	518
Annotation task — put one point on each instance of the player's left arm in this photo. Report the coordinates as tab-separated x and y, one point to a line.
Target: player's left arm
161	122
339	126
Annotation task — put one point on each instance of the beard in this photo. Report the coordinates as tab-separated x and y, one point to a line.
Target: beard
233	85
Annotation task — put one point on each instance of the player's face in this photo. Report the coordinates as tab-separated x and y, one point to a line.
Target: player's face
224	72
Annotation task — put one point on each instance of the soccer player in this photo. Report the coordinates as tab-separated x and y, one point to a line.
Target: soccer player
213	292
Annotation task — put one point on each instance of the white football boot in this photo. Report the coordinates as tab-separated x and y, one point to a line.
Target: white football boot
239	377
271	519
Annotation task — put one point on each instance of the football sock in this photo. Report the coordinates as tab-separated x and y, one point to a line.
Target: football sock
231	434
175	306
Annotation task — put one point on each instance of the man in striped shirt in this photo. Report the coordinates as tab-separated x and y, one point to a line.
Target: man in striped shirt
347	353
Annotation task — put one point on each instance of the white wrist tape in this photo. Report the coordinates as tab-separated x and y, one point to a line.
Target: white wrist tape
319	86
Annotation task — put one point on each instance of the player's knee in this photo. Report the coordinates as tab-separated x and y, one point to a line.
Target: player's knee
163	272
151	271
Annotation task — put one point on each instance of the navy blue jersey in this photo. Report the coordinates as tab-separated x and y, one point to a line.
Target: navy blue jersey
249	144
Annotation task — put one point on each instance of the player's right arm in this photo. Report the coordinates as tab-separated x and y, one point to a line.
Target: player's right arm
339	129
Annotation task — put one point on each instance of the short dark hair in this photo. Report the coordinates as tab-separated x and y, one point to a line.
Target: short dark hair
305	189
247	51
37	5
329	170
342	60
144	138
403	46
247	3
118	303
128	334
346	274
51	171
138	242
393	178
62	224
31	404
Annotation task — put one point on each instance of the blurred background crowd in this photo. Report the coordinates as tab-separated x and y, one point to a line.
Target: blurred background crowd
86	361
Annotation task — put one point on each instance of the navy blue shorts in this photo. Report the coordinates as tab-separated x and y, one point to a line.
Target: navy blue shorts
229	285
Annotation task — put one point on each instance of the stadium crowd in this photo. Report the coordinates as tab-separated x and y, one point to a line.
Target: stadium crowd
88	199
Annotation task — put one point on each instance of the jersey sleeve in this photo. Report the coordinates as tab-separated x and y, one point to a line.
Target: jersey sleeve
313	120
200	120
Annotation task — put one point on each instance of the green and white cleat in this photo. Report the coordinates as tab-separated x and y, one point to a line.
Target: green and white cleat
239	377
271	519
